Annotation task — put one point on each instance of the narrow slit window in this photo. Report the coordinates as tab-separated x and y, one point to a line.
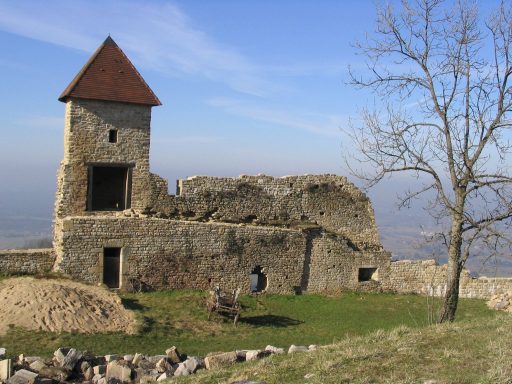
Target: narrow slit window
112	136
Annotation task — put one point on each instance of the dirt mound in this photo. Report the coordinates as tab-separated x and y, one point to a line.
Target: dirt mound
61	306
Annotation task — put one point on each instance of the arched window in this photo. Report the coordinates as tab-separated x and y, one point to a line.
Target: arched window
258	280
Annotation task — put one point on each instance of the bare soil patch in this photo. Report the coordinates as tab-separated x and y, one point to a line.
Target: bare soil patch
61	306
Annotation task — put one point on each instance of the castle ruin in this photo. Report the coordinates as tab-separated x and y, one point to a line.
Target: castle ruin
115	222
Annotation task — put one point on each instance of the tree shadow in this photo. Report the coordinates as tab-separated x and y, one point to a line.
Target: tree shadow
270	321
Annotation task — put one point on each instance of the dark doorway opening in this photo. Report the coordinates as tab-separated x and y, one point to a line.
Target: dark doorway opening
367	274
258	280
111	267
109	188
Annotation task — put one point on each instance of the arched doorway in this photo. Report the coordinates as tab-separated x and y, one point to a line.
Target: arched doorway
258	280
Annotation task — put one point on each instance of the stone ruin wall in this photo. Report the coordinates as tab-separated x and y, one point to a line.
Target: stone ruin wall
329	202
334	266
426	277
26	261
214	229
174	254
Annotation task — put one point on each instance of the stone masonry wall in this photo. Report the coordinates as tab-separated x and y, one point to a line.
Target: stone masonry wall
335	265
29	261
426	277
174	254
164	253
327	201
86	133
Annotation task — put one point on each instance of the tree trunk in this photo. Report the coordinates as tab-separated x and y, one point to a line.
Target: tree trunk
451	298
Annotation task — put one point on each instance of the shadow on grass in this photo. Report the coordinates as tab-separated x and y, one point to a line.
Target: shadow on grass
270	321
132	304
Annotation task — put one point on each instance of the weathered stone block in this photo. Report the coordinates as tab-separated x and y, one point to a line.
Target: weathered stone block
220	360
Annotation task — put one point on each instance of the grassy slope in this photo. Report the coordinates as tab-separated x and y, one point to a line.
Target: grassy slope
471	351
179	318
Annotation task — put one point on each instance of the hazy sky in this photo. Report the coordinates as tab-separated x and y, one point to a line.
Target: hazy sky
247	86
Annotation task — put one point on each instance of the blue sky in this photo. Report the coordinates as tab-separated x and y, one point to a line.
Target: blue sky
247	87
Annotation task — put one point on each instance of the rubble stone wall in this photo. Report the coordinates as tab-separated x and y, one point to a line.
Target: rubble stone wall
175	254
26	261
162	253
334	265
426	277
329	201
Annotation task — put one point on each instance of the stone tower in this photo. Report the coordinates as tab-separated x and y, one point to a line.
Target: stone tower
106	139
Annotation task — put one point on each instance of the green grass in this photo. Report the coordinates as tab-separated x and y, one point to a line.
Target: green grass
469	351
179	318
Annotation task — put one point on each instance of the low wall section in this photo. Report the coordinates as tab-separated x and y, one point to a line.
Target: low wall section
426	277
172	254
29	261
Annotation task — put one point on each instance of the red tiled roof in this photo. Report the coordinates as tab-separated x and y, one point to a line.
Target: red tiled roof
110	75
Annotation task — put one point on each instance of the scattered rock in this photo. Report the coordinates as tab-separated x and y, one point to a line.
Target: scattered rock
501	302
5	369
119	371
23	376
55	373
181	370
109	358
297	348
256	355
163	376
173	355
136	359
220	360
100	369
37	365
194	363
128	358
163	365
271	349
67	357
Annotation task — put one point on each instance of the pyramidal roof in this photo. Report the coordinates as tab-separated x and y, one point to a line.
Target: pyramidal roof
110	75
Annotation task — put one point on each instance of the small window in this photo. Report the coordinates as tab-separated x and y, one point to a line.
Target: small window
112	136
368	274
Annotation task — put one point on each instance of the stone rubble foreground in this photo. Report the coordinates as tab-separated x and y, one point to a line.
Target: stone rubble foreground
70	364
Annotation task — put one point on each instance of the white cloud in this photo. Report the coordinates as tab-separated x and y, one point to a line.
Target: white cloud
323	124
156	35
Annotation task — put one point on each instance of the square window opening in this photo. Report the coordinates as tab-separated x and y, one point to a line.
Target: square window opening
109	188
368	274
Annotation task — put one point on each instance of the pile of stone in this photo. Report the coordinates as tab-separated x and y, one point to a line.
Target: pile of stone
501	302
69	364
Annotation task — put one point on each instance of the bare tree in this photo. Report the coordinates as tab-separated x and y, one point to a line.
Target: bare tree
443	75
